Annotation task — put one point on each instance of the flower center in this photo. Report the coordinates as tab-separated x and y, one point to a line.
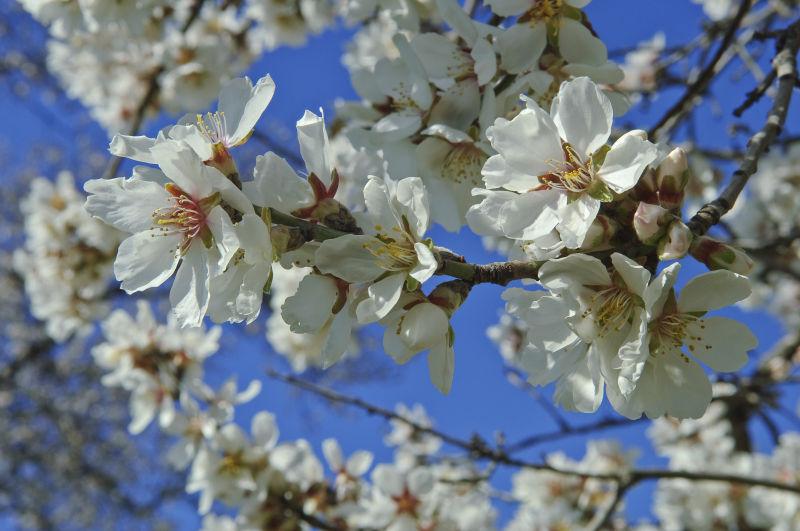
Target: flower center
669	332
393	255
187	216
213	127
463	164
544	10
570	174
611	308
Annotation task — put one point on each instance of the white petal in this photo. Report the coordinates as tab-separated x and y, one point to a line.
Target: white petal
381	298
226	240
132	147
127	205
458	106
314	145
440	56
333	454
310	307
458	19
359	463
576	218
625	162
518	216
264	429
633	354
520	46
411	195
346	257
497	173
581	389
426	263
685	388
276	185
565	274
635	276
243	104
485	62
577	44
147	259
184	167
529	143
583	115
713	290
724	343
656	293
441	367
189	295
339	336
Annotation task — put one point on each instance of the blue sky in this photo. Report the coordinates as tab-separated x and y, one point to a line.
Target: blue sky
481	400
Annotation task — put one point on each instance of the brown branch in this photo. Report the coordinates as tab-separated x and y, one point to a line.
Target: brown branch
675	113
785	65
756	94
500	273
478	448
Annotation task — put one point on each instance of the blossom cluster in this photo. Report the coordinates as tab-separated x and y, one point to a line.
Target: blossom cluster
67	259
497	118
140	57
267	481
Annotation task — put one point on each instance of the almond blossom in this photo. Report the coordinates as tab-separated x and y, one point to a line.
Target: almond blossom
176	216
656	377
393	257
555	171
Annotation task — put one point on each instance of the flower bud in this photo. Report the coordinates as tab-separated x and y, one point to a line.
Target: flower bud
285	238
598	237
647	188
675	244
718	255
672	176
650	222
450	295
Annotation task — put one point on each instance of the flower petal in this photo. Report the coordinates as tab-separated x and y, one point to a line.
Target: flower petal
310	307
520	46
243	105
381	298
314	145
583	115
347	257
529	143
577	44
125	204
626	160
146	259
724	343
713	290
441	366
189	295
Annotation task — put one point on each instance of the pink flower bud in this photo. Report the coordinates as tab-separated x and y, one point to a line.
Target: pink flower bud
650	222
672	176
675	244
599	235
718	255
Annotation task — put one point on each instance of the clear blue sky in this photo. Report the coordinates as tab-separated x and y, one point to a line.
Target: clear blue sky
481	399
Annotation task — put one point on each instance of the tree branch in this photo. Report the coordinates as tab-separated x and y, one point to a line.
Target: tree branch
686	101
478	448
500	273
785	65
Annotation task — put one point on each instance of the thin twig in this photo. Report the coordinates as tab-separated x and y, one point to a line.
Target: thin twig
500	273
479	449
785	65
756	94
700	84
